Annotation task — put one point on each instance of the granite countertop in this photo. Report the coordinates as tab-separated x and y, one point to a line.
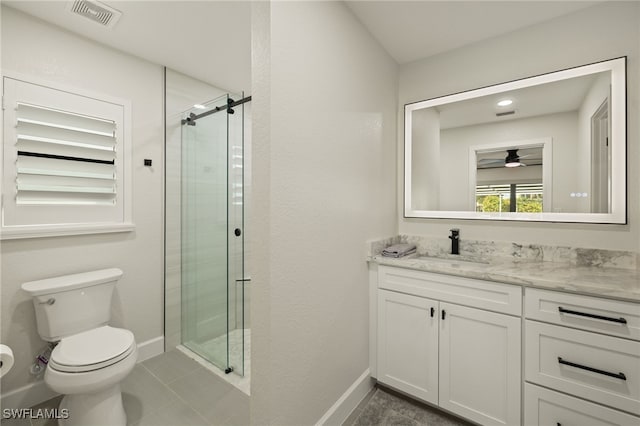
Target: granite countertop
609	282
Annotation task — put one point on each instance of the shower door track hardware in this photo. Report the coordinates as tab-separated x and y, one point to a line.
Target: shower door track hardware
191	120
228	370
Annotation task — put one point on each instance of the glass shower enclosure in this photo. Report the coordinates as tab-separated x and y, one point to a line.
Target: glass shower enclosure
212	233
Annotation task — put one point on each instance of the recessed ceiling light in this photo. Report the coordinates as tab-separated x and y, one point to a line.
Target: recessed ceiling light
505	102
198	106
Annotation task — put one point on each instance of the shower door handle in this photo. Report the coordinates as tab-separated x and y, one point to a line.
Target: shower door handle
243	280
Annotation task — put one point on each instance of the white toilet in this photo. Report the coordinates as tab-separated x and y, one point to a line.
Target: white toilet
91	358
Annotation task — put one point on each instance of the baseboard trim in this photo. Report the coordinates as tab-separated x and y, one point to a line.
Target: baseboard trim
27	396
150	348
344	406
37	392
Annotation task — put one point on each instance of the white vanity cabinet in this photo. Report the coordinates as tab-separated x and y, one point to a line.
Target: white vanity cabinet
408	344
588	349
480	364
454	342
549	408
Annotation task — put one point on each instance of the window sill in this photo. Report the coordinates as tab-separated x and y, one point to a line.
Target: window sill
43	231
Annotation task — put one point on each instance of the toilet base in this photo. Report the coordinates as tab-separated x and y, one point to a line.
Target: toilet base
102	408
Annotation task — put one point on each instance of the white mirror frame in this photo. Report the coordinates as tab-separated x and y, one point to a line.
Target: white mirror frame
618	214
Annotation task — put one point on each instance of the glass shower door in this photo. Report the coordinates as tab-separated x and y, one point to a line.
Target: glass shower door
212	215
236	283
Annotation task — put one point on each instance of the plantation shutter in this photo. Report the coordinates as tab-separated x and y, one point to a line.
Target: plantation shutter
501	189
63	157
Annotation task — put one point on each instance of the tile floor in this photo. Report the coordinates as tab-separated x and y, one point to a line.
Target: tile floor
384	407
174	390
171	390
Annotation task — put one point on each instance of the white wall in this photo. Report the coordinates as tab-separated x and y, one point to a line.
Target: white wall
34	48
561	43
562	128
324	183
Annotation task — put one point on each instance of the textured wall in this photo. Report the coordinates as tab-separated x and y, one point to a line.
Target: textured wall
324	183
34	48
598	33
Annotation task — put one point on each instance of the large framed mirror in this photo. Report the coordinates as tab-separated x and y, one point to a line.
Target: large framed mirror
548	148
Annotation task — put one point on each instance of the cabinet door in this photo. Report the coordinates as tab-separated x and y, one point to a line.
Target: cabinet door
480	365
408	344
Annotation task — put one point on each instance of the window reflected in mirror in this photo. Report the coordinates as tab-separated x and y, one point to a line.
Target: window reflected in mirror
509	181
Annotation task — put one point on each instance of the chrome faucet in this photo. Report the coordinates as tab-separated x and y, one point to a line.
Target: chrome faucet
455	240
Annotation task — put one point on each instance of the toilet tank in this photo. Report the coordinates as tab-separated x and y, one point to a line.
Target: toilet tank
70	304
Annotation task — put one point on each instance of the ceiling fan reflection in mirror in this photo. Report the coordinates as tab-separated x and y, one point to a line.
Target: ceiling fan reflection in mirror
513	159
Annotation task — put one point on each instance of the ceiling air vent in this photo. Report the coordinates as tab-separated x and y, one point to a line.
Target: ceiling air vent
500	114
96	11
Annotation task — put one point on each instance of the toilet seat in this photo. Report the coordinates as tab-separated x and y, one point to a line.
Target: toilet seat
92	350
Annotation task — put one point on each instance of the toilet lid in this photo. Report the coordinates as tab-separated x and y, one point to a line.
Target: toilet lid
92	349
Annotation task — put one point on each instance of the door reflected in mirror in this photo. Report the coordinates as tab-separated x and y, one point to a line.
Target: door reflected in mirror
550	147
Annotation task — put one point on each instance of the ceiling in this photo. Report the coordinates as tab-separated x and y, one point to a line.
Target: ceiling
412	30
208	40
549	98
211	40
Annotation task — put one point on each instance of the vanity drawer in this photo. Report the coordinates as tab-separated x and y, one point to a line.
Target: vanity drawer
503	298
599	368
588	313
544	407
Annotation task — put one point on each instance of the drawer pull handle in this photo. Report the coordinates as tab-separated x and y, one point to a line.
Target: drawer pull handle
620	376
585	314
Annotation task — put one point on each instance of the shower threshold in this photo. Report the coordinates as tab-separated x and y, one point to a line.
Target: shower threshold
240	382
